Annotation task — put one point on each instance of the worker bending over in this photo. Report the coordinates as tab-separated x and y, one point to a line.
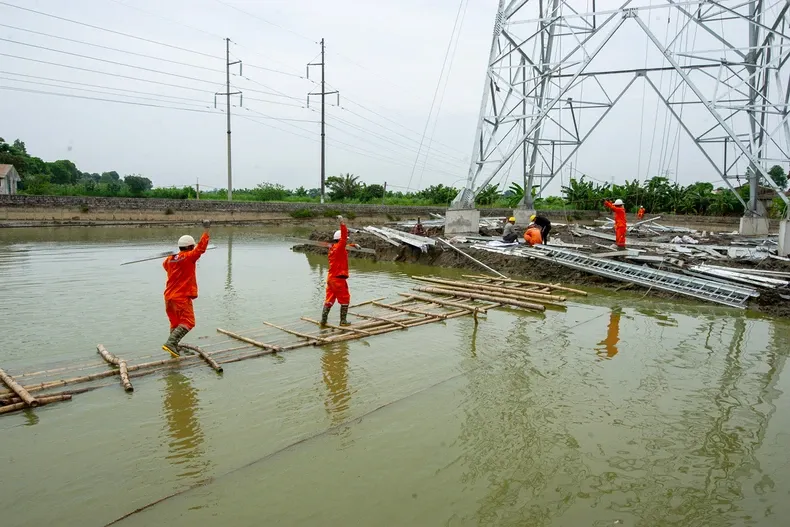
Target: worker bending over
509	232
619	220
181	288
641	212
543	224
532	235
418	229
336	281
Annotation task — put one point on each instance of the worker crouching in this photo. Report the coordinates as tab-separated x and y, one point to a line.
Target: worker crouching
181	288
336	281
532	235
509	232
544	224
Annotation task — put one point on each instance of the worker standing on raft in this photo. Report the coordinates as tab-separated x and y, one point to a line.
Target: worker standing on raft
336	281
181	287
619	220
544	224
532	235
509	232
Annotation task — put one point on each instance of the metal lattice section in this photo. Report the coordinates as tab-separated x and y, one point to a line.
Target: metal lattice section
719	292
720	67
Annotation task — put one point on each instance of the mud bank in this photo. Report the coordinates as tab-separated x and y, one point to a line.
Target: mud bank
769	302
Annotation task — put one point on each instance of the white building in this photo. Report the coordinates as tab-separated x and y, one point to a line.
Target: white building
9	179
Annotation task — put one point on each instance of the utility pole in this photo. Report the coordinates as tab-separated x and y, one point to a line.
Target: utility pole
227	94
197	189
323	93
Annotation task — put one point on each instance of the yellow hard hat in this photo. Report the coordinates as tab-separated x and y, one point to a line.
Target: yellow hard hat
512	219
532	218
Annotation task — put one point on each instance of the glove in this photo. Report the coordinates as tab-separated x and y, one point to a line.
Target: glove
206	224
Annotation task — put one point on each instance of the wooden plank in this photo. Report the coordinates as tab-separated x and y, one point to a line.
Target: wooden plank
407	310
18	390
297	333
249	341
338	328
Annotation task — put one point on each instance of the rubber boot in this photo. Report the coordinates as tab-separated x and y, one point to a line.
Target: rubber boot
171	346
344	315
325	315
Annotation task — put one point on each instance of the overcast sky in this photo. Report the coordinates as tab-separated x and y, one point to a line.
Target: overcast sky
385	58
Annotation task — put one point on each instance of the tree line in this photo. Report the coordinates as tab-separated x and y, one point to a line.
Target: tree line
657	194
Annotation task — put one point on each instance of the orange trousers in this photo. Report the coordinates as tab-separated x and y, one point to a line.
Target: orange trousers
180	313
619	235
337	291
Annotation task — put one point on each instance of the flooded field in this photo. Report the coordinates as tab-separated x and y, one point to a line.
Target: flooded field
619	410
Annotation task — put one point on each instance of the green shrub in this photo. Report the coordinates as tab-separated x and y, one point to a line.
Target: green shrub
303	213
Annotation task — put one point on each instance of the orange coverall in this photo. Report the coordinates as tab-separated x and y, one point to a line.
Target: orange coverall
532	236
181	286
619	223
641	213
336	285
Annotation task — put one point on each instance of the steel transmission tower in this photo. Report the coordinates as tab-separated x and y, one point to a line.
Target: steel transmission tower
558	67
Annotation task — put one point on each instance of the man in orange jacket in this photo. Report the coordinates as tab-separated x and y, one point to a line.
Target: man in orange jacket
182	288
336	281
619	220
640	213
532	235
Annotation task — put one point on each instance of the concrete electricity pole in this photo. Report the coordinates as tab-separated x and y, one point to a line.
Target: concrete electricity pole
227	95
323	93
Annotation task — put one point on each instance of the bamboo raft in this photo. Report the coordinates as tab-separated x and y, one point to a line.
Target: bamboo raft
434	300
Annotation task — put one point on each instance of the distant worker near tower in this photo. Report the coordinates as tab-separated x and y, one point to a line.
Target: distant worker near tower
641	212
532	235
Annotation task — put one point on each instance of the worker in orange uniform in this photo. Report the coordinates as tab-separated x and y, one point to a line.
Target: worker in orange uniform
336	281
619	220
182	288
641	212
532	235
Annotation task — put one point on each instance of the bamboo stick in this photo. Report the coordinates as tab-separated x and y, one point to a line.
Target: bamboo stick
558	287
367	302
123	372
41	401
446	303
478	262
416	322
255	343
407	310
17	389
370	317
338	328
211	362
106	355
478	296
297	333
491	288
451	290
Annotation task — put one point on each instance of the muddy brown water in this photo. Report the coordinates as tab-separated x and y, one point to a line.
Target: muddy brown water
619	410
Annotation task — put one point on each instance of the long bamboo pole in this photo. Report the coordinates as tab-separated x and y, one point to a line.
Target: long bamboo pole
337	328
413	311
41	401
297	333
446	303
14	399
107	356
479	296
491	288
558	287
211	362
379	319
252	342
123	372
17	389
478	262
451	290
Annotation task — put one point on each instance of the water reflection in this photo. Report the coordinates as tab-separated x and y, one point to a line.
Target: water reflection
334	368
229	277
186	436
608	346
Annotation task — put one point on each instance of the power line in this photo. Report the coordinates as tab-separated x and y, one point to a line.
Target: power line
152	57
72	96
265	21
99	28
265	116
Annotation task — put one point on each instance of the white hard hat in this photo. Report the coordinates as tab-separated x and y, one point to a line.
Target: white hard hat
618	202
337	235
186	241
